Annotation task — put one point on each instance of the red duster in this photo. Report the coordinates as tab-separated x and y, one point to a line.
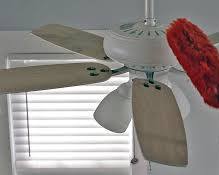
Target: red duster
198	57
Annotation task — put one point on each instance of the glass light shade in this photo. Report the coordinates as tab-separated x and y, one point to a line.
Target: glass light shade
182	101
114	113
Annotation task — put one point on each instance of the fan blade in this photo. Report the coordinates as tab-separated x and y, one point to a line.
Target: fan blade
73	39
158	123
44	77
214	38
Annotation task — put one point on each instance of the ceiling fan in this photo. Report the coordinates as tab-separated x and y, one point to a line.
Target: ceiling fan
141	46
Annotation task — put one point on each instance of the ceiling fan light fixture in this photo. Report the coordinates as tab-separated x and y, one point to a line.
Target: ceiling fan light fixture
114	113
182	101
142	48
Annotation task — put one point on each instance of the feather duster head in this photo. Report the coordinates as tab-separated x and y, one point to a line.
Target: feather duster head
198	57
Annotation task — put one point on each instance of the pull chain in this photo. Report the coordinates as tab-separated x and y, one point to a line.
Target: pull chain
134	159
149	168
28	126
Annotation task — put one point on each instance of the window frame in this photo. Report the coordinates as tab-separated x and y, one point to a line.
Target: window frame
55	171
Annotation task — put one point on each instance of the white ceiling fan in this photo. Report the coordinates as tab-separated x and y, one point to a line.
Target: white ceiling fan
141	46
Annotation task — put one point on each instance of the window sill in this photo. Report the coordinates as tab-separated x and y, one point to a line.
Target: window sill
76	171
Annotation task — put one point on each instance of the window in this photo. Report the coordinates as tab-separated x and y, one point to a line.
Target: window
63	136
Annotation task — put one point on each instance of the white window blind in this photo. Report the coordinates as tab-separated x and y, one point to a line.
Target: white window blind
63	134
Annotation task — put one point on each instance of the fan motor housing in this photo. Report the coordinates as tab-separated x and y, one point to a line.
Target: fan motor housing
139	46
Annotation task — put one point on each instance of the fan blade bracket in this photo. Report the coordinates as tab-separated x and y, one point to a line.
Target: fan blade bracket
158	123
93	71
120	70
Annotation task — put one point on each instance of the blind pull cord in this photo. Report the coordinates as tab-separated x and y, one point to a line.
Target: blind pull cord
28	126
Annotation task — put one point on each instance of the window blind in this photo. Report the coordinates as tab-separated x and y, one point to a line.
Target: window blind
62	130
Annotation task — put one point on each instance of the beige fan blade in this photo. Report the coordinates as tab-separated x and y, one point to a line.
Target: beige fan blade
214	38
73	39
44	77
158	123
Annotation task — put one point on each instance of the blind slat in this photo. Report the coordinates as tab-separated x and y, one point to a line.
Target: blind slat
45	115
73	156
55	107
73	148
72	139
60	98
66	131
72	164
56	124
